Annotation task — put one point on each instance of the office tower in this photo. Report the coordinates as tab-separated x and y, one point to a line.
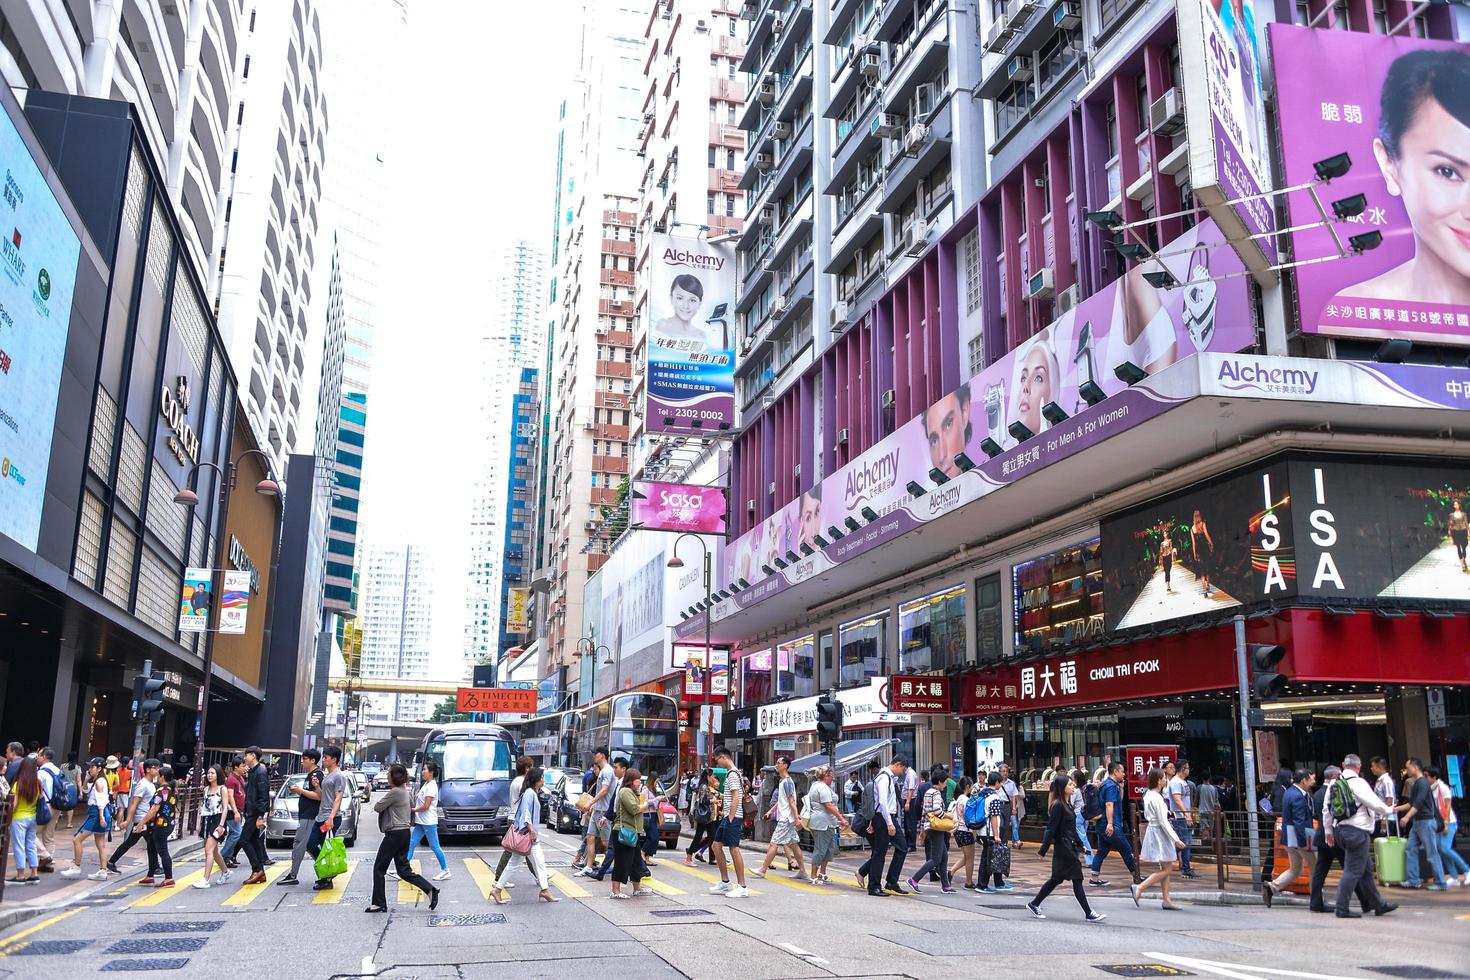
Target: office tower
395	620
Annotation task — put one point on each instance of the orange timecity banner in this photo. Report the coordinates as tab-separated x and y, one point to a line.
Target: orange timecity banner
496	699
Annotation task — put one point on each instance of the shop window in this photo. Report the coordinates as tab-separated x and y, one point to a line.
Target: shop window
931	632
796	667
1058	598
862	642
755	678
989	644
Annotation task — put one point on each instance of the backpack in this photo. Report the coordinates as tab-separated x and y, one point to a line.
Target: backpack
702	811
975	807
63	793
868	804
1092	808
1341	801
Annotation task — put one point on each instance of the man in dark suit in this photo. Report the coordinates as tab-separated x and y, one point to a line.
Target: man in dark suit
257	806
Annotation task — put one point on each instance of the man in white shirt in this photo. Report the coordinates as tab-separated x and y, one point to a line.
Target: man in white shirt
46	835
887	794
1181	811
138	802
1354	834
785	836
1383	786
1011	826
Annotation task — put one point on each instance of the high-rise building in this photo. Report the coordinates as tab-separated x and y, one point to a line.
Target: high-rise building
262	281
509	343
395	619
590	386
177	63
515	558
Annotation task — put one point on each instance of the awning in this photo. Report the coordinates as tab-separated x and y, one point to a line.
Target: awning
852	754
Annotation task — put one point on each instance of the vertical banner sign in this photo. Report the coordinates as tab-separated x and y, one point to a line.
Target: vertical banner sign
1140	759
719	672
1396	106
691	336
695	676
194	600
517	610
236	604
1268	756
1225	122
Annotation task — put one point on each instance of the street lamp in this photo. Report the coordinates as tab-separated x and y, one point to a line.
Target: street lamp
588	647
188	497
676	562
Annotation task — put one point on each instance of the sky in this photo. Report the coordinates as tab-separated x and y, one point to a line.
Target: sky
474	168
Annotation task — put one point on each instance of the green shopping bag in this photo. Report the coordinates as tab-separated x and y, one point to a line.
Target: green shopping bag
331	861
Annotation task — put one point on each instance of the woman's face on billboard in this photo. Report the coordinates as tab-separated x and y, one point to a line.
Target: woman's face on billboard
1036	382
685	303
1432	176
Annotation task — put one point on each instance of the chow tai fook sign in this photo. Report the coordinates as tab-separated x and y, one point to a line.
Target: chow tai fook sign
1139	759
1120	674
511	700
861	707
920	695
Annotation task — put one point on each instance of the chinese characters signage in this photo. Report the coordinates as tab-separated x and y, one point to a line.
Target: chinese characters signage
497	699
517	610
861	707
678	507
691	336
235	607
194	599
1139	759
920	695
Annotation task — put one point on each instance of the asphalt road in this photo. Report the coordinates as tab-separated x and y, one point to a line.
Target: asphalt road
786	929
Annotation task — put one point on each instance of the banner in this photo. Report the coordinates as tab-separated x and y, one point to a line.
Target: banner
1139	759
517	610
919	694
1396	106
1225	123
194	600
679	507
691	336
235	606
494	700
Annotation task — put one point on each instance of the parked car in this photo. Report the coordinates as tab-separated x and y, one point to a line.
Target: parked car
280	824
380	779
559	808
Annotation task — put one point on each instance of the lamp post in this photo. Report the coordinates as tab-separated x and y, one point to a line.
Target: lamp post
187	497
586	647
709	584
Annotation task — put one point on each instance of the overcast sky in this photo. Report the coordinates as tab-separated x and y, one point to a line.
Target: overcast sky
482	83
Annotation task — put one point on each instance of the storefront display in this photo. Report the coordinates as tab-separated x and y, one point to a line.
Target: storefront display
1058	598
931	631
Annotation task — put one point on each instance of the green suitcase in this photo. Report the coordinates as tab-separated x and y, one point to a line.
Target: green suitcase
1388	855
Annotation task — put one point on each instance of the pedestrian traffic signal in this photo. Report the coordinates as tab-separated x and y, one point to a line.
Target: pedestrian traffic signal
1265	680
829	718
148	699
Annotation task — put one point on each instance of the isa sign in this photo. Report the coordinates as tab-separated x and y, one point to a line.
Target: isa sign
691	336
679	507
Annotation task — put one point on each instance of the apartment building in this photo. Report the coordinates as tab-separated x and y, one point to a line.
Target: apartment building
395	623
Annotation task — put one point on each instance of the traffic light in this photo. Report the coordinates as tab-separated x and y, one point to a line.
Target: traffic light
1266	682
829	718
147	699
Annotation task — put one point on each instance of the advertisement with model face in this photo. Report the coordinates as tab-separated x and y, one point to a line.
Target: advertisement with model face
1400	108
38	266
678	507
691	336
1128	320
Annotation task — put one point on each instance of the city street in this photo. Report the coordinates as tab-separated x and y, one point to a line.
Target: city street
785	929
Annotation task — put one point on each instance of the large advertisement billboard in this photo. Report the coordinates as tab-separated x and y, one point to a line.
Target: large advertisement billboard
1128	320
691	336
1225	122
38	258
678	507
1398	107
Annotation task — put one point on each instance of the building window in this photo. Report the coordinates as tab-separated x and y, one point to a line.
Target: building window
931	632
796	667
861	643
989	644
755	678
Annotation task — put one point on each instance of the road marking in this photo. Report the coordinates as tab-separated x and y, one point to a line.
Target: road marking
663	888
246	894
159	895
780	878
702	876
338	891
484	877
32	930
1233	969
568	886
409	894
809	957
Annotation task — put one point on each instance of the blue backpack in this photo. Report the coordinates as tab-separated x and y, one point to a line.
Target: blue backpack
975	807
1092	808
63	793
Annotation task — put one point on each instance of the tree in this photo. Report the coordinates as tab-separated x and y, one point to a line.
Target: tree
444	712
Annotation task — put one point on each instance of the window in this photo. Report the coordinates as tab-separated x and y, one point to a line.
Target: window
713	150
931	631
796	667
989	645
1058	598
755	678
861	642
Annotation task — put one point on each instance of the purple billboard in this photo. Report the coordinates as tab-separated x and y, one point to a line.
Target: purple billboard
1128	320
678	507
1399	108
691	336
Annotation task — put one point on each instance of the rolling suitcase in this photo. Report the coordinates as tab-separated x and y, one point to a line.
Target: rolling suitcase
1388	856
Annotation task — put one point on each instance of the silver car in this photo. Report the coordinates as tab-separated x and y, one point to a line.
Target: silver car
280	825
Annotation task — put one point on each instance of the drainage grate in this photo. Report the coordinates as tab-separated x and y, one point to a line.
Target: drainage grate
155	928
145	966
1414	972
178	944
680	913
480	919
48	947
1143	970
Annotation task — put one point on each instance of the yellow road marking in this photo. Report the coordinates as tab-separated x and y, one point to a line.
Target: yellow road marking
158	896
409	894
32	930
780	878
246	894
568	886
484	877
338	891
704	876
662	888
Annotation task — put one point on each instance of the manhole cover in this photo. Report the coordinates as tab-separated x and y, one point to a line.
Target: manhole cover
480	919
1415	972
202	925
48	947
680	913
145	966
178	944
1144	970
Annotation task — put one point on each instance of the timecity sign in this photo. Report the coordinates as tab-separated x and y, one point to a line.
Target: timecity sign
861	707
173	405
1120	674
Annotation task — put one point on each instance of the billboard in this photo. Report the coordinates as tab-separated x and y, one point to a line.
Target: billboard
194	599
235	607
517	610
1396	106
1126	320
691	336
1225	122
679	507
38	266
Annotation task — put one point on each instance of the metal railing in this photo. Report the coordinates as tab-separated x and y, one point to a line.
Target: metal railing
1221	839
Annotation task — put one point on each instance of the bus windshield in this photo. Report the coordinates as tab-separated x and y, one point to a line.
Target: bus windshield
471	758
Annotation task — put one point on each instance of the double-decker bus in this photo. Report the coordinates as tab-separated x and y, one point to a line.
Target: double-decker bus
641	728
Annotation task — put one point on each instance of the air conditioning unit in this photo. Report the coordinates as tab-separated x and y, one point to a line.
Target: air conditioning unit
915	137
764	161
872	64
701	27
998	36
768	214
841	437
589	526
778	303
1041	284
750	504
839	313
1066	15
889	397
767	92
1067	300
1166	114
886	124
1018	69
1017	11
781	130
590	426
778	24
918	238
